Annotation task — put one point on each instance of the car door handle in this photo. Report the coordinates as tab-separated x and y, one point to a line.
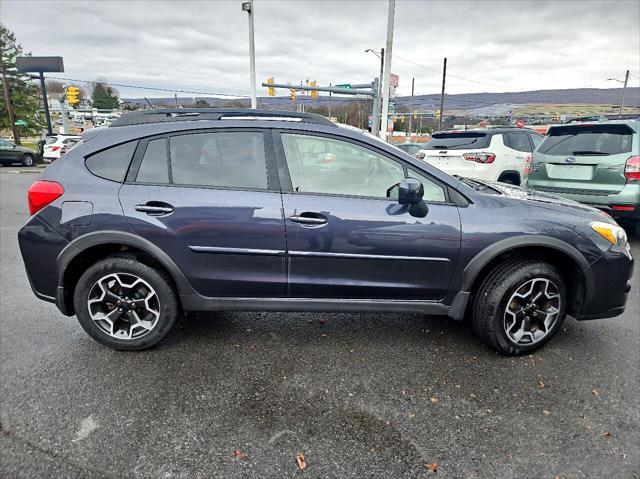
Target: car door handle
308	218
155	208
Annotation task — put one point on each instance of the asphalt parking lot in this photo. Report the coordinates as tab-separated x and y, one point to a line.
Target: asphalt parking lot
240	394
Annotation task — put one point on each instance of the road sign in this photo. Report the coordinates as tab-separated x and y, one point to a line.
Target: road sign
392	107
343	85
394	80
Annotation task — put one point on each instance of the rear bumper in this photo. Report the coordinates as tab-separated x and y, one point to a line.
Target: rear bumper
627	200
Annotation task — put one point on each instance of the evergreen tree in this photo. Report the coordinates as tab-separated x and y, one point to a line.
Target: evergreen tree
103	97
25	97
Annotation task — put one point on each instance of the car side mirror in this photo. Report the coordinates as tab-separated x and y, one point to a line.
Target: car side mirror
410	191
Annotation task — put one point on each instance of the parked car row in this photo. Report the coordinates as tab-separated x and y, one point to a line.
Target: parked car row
596	163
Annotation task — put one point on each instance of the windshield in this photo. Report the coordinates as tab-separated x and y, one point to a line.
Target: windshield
599	140
462	140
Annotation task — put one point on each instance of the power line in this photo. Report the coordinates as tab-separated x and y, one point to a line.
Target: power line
152	88
435	70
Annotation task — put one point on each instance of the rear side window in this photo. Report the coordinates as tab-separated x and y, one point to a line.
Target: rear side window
155	165
228	159
113	163
458	141
587	140
517	141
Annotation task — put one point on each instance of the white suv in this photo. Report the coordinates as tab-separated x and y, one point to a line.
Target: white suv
54	145
495	154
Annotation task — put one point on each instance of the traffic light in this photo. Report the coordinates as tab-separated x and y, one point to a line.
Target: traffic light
72	95
272	90
293	94
314	93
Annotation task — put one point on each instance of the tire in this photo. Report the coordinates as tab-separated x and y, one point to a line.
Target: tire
499	306
28	160
146	322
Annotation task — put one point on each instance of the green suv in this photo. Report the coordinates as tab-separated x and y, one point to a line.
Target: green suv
595	163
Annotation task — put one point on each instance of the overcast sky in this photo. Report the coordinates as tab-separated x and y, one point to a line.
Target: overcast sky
203	45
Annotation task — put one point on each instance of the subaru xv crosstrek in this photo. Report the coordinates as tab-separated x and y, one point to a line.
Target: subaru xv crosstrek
172	211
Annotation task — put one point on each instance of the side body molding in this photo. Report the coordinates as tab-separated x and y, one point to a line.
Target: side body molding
97	238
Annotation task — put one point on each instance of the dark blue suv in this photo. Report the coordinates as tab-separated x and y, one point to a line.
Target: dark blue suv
168	211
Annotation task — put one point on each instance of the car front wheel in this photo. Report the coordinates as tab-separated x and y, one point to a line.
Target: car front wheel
124	304
520	306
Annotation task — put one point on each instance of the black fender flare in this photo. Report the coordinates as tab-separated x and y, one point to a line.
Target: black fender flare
480	260
96	238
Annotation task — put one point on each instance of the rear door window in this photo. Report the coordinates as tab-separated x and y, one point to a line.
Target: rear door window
596	140
113	163
227	159
462	140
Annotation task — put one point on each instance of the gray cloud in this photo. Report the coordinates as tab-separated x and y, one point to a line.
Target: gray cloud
202	45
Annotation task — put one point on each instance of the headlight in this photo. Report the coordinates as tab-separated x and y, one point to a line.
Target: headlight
612	233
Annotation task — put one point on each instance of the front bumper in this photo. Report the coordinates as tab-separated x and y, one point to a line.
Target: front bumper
610	286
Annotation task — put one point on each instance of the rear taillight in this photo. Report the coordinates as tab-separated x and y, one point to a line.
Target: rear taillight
55	148
623	207
41	193
420	155
632	169
480	157
528	159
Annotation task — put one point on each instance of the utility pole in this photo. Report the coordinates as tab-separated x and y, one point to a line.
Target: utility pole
7	97
329	102
444	77
175	96
626	80
413	80
387	70
248	7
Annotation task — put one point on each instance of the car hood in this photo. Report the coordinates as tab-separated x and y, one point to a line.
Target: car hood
548	201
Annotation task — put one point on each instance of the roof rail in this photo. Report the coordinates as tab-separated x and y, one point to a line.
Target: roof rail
163	115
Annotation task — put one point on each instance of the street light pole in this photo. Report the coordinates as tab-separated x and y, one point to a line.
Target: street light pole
248	7
387	70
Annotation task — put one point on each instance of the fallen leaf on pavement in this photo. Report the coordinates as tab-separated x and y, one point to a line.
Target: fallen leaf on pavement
540	383
237	453
545	412
322	321
608	435
433	467
594	392
434	400
302	463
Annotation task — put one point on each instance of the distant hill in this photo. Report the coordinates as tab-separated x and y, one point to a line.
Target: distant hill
478	103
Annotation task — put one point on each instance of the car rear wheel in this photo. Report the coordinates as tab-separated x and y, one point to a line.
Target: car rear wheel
27	160
124	304
520	306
